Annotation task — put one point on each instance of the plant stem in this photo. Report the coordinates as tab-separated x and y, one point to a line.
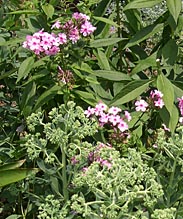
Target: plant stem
64	174
119	32
171	180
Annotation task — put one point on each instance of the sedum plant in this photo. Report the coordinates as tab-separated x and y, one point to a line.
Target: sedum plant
82	178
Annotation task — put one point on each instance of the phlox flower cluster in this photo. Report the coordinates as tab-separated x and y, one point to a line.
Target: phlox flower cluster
109	116
76	27
44	43
156	97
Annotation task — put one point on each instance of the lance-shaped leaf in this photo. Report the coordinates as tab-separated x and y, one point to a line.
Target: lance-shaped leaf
12	165
112	75
166	87
106	20
105	42
15	175
25	68
170	52
141	4
174	6
145	63
131	91
47	95
144	33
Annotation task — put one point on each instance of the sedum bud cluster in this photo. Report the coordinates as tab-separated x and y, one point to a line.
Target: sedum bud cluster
52	208
127	183
66	125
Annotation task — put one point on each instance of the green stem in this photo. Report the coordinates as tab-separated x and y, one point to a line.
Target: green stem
64	174
119	32
171	180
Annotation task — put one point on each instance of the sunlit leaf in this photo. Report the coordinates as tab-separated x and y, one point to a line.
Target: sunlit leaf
14	175
174	6
141	4
131	91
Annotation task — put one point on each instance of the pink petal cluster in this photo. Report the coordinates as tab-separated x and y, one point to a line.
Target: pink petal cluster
109	116
156	96
141	105
78	26
180	105
44	43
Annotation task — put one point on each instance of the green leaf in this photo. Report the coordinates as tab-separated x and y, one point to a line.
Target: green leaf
174	6
170	52
7	74
87	97
38	75
12	165
28	98
25	68
48	10
102	8
141	4
131	91
24	12
165	86
46	96
102	60
145	63
112	75
173	119
144	33
99	90
12	42
14	216
106	20
134	19
105	42
11	176
178	91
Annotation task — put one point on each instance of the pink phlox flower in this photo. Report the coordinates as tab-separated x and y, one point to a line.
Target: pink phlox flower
127	116
141	105
74	35
87	28
159	103
156	94
89	112
180	105
157	98
122	126
56	25
104	118
62	38
52	51
80	16
100	108
69	25
165	128
114	110
114	119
